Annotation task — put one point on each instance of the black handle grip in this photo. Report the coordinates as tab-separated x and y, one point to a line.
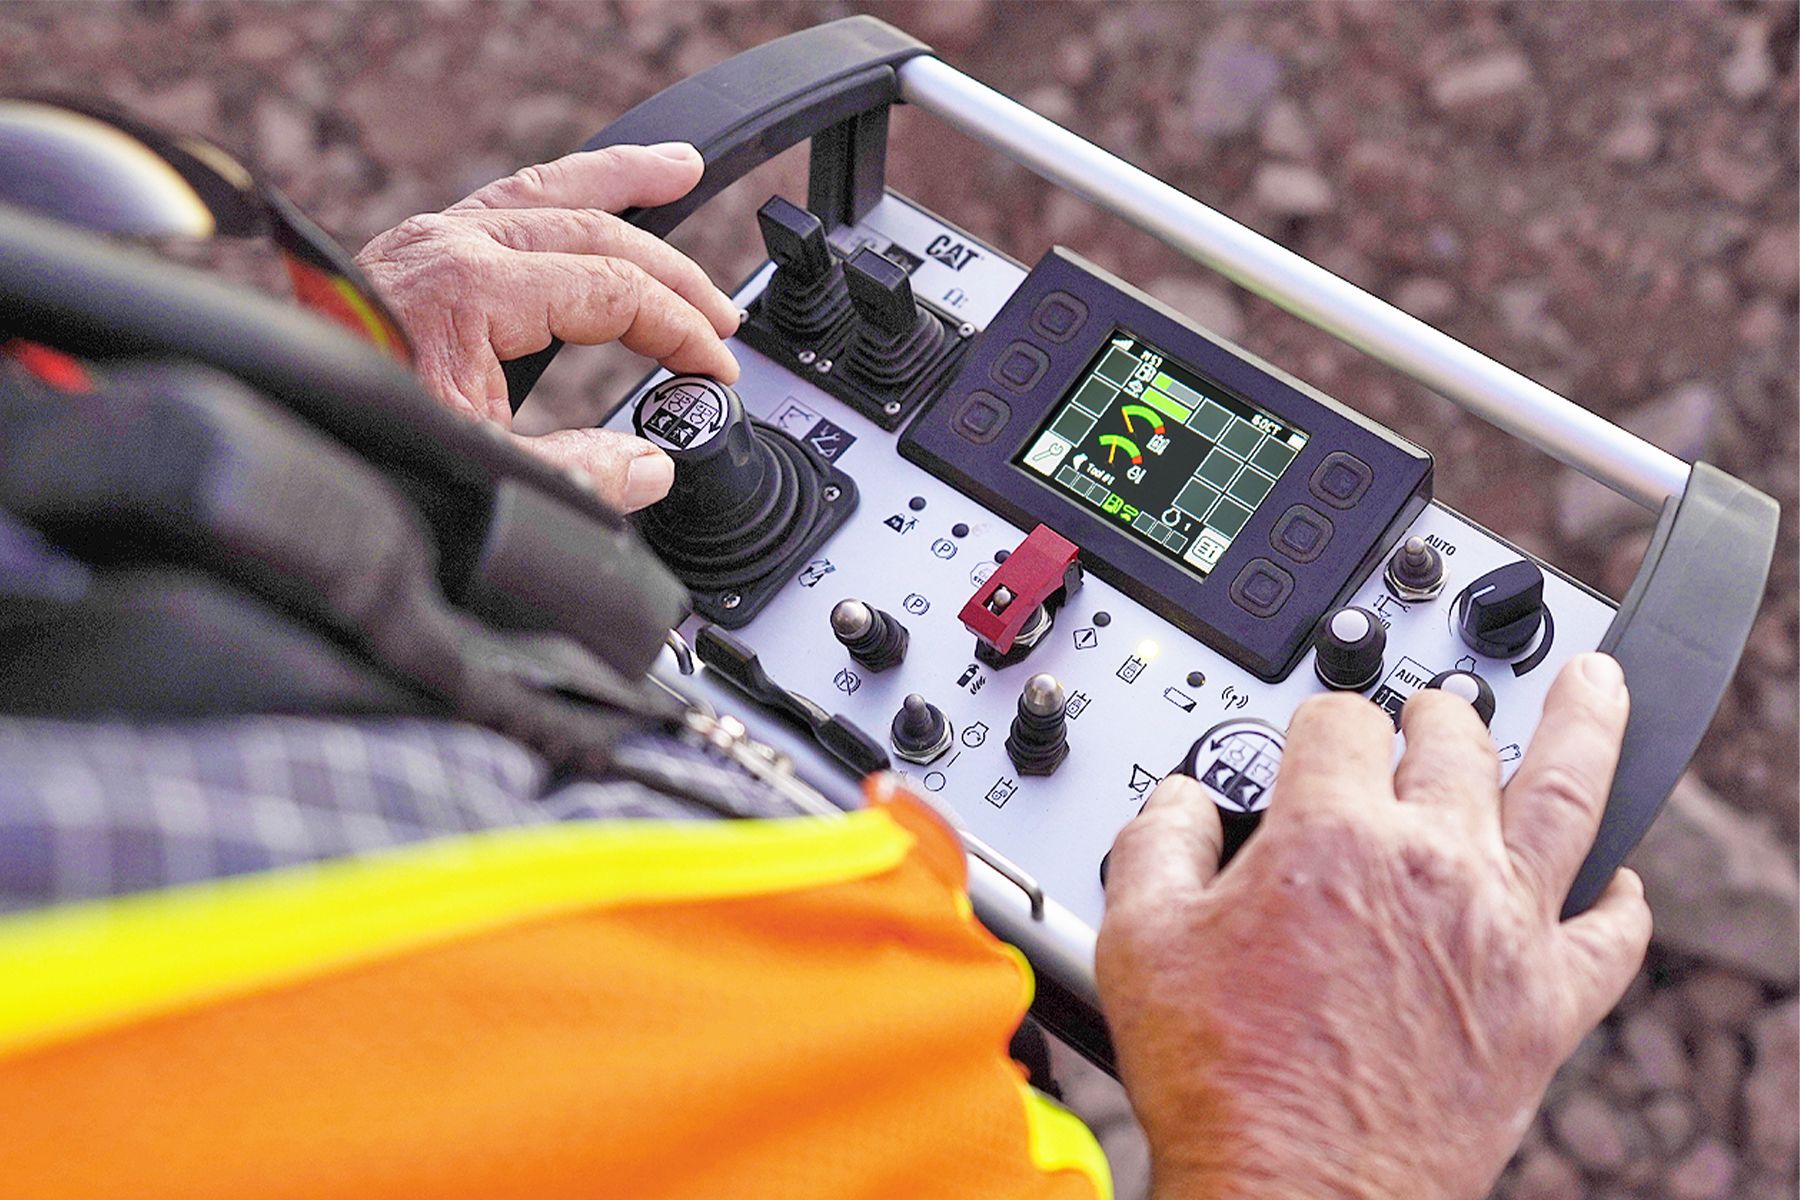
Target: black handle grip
1679	634
749	108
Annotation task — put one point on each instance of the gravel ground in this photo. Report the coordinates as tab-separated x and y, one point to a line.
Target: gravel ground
1602	195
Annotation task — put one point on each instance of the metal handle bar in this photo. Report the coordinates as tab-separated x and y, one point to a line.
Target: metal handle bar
1554	424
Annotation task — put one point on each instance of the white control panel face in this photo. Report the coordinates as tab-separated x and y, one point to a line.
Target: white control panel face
1140	691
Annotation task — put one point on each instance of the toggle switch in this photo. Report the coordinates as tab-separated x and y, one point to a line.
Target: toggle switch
920	732
1013	609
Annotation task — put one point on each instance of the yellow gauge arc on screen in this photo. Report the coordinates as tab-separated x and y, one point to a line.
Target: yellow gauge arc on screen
1148	414
1114	443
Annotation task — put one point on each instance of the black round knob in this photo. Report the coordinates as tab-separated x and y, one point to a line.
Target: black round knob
919	730
1470	687
1499	614
1347	647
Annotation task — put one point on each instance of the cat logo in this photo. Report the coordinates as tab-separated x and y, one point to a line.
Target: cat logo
951	253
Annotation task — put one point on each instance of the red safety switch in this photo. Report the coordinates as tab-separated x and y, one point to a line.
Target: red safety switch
1011	611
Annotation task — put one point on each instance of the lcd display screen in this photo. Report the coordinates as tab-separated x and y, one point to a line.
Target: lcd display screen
1177	462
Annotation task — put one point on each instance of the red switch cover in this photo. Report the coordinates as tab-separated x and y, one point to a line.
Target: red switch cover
1043	569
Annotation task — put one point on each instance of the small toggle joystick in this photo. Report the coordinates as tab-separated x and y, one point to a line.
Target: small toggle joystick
807	299
873	638
748	500
920	733
1416	571
1038	741
894	339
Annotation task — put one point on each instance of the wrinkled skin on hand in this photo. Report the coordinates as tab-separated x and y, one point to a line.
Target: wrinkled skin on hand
1373	997
538	255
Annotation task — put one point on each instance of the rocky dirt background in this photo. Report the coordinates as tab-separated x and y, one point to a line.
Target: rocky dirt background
1602	195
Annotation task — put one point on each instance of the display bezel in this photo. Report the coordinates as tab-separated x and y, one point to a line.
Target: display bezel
983	469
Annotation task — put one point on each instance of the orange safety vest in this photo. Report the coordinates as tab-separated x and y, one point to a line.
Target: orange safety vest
783	1008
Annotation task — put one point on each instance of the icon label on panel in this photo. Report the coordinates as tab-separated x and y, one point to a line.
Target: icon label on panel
847	681
916	604
1086	638
1141	779
901	523
1131	668
944	548
1180	699
1002	791
974	735
816	570
1078	702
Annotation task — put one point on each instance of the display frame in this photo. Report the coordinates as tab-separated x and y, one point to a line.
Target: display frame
1023	365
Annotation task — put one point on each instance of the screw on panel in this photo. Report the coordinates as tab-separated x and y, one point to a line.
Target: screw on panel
730	600
823	366
806	356
891	407
831	492
966	329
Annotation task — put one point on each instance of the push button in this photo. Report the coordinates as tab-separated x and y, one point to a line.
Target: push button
1059	316
981	418
1261	588
1020	366
1301	534
1341	479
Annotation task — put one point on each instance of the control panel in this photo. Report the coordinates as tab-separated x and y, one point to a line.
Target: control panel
1092	545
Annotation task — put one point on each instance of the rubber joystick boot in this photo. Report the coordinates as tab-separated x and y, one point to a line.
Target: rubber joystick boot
743	499
894	339
872	637
1038	741
806	299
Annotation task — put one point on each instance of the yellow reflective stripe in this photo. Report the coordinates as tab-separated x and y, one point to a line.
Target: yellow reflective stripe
79	968
1061	1142
377	328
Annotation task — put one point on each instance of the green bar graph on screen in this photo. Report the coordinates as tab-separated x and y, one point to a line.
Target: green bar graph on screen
1167	407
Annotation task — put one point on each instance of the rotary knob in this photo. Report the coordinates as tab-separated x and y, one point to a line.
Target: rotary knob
1499	614
1470	687
1347	649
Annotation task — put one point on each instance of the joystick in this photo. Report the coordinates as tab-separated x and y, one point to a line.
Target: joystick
894	339
1038	741
806	300
1416	571
920	733
748	500
872	637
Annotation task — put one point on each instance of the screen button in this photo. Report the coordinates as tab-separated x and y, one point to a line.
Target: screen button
1059	316
1020	366
1261	588
1341	479
1301	533
981	418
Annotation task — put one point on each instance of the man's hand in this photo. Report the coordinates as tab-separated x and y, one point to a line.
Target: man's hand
1373	998
539	255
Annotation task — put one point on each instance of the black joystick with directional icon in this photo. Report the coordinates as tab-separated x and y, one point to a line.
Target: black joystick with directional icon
807	300
748	500
894	338
1470	687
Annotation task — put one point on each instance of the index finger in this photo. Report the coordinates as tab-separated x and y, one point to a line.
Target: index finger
1551	810
1170	849
1339	751
616	178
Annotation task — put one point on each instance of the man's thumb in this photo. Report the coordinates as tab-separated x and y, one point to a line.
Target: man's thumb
627	472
